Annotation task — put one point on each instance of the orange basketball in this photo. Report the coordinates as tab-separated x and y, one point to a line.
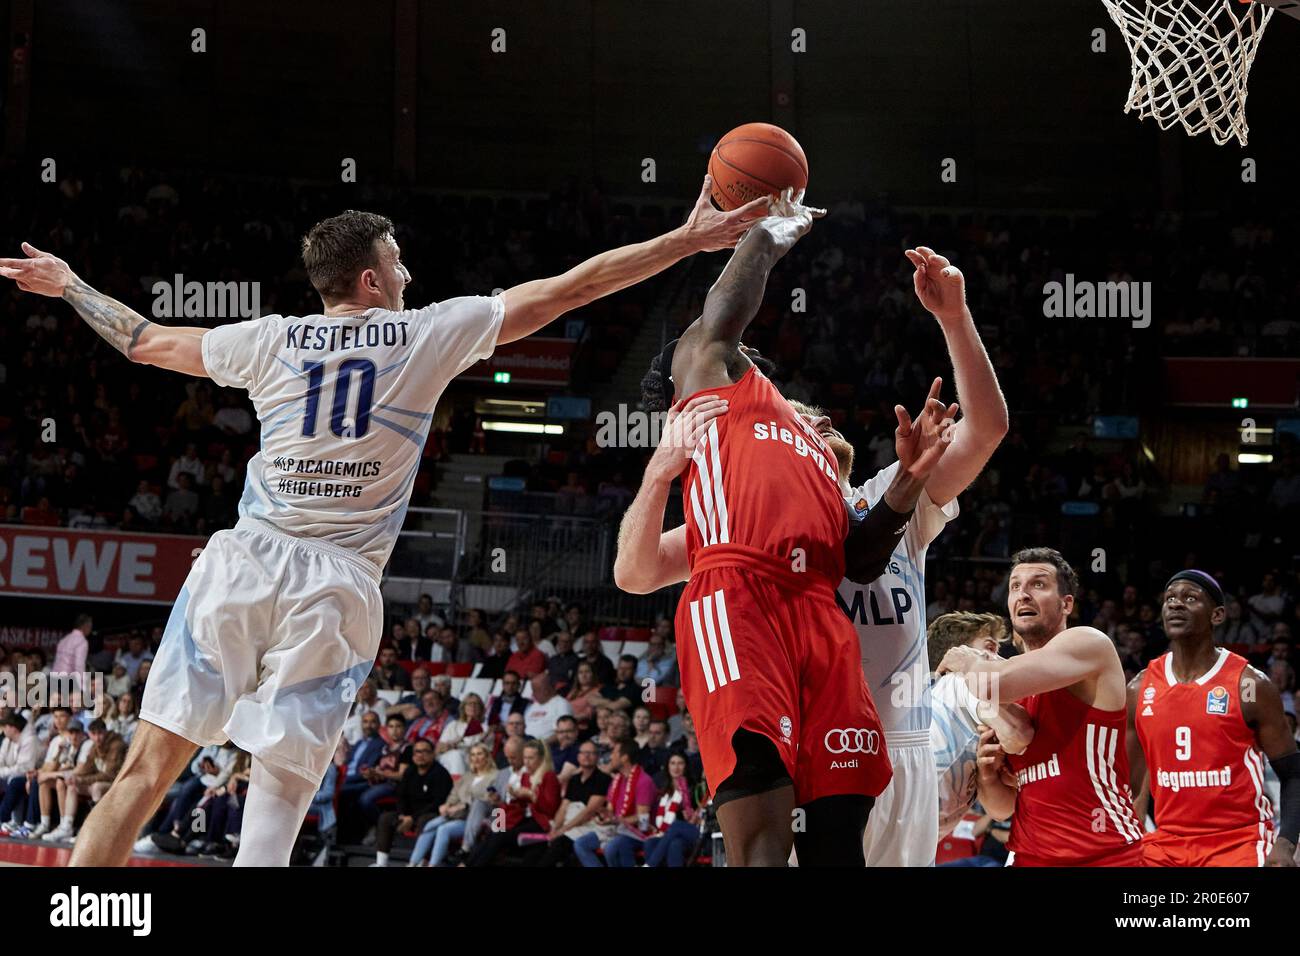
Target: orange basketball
757	159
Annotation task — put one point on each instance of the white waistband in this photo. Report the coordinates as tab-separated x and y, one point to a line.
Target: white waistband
907	738
247	523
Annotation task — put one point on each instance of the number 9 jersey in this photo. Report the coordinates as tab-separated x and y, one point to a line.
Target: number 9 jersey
1206	772
345	404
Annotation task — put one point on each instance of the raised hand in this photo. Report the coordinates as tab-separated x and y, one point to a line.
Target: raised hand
708	229
921	443
683	431
40	272
939	284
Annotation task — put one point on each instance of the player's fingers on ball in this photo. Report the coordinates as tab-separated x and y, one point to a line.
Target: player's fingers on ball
754	209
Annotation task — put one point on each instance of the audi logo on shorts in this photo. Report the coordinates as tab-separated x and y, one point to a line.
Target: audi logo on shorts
853	741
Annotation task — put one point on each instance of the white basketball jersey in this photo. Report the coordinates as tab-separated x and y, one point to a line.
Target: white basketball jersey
955	742
889	614
345	404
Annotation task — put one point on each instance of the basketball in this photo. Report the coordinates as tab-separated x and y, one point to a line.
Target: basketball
757	159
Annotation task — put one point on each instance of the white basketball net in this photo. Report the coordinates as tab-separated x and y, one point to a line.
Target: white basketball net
1191	61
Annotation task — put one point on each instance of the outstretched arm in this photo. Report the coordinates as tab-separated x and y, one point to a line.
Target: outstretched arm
533	305
942	290
1073	655
140	340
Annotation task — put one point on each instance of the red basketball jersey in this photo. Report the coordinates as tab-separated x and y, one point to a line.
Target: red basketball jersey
1074	805
1206	771
763	481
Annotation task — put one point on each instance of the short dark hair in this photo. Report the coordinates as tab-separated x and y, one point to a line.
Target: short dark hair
1067	581
629	659
81	619
336	250
19	723
629	748
566	718
97	726
656	384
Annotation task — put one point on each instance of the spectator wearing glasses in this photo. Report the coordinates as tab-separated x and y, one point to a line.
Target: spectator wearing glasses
424	787
659	662
579	813
627	807
434	842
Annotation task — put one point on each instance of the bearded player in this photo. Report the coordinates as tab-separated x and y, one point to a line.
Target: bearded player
1201	722
282	614
889	612
1072	802
772	677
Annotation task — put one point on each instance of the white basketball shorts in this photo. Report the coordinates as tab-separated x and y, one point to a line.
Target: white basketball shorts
266	646
903	829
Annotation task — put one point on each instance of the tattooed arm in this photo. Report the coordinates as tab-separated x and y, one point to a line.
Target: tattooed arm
178	349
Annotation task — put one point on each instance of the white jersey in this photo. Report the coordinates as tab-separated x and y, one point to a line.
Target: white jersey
955	742
889	614
345	404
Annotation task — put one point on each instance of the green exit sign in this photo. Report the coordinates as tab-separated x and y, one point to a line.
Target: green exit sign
1240	403
503	378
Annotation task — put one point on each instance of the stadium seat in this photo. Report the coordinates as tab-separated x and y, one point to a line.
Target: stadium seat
478	685
636	648
461	670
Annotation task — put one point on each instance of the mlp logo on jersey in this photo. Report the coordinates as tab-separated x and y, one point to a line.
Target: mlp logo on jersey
1216	701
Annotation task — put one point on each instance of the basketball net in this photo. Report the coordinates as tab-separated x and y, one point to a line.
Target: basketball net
1191	61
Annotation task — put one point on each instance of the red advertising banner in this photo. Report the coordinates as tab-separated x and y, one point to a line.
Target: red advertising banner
531	361
97	565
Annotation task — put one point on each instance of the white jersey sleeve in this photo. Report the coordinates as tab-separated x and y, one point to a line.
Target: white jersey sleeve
345	404
889	613
955	742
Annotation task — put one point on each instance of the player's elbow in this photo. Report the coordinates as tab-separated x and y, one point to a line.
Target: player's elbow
629	580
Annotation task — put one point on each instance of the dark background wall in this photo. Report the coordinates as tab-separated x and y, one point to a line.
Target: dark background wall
885	91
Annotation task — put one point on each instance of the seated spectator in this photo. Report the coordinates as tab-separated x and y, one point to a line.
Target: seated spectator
527	660
136	653
91	778
658	663
182	505
368	702
125	717
451	649
388	674
187	464
1270	602
322	803
426	614
627	808
545	709
623	692
423	788
117	682
510	701
366	778
688	745
145	504
641	724
512	729
210	769
442	684
476	631
676	821
19	753
227	810
530	805
584	691
1238	626
421	681
434	842
561	665
564	749
463	734
494	662
594	654
412	645
675	721
433	718
584	799
655	753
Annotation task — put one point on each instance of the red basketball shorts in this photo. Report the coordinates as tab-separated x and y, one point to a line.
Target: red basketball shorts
1244	846
779	658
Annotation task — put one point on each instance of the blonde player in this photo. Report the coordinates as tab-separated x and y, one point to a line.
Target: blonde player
959	719
889	614
280	617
